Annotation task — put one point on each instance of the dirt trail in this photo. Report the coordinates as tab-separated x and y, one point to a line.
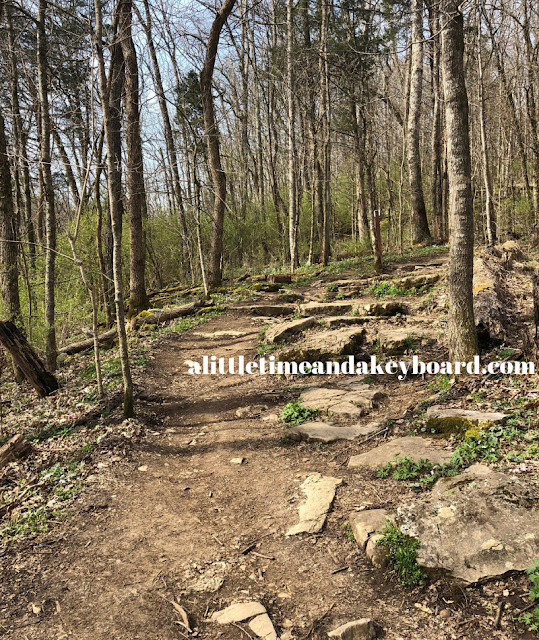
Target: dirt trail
173	522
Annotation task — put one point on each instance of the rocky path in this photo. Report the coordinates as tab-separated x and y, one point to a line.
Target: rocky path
214	510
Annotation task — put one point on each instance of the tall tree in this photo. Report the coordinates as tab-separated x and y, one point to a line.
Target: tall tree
138	298
45	160
420	225
461	324
211	134
292	197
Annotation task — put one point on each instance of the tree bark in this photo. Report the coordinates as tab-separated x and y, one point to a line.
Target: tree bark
212	141
138	298
115	213
48	187
461	326
27	360
420	225
8	236
292	202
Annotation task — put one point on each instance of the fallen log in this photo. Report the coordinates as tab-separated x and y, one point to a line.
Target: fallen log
157	317
27	359
15	448
489	299
83	345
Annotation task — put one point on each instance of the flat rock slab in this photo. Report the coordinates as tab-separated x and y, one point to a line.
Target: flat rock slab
272	310
397	341
238	612
263	627
365	524
415	282
326	308
362	629
413	447
477	526
344	321
324	346
324	432
281	332
320	491
461	420
347	402
385	308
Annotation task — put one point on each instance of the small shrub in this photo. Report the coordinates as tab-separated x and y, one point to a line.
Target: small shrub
402	555
348	532
531	619
295	413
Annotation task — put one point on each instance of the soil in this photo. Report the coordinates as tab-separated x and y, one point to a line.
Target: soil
174	520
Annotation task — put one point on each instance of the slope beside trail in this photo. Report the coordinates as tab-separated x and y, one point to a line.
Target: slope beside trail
184	522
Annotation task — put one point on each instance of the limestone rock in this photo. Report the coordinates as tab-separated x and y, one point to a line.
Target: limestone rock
328	345
461	420
342	402
324	432
238	612
251	411
320	492
397	341
414	447
326	308
362	629
280	332
273	310
365	524
344	321
415	282
385	308
376	553
346	410
220	334
476	526
263	627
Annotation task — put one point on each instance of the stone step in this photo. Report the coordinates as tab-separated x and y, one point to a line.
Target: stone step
281	332
324	346
414	447
326	308
328	432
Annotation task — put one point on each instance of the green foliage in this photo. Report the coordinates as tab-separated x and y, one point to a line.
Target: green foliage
410	343
266	348
481	446
442	382
531	619
295	413
423	472
402	555
333	288
348	532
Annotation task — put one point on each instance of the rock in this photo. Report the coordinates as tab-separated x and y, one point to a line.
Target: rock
346	410
280	332
272	310
477	526
362	629
324	432
511	251
343	402
385	308
461	421
365	524
376	553
320	491
237	460
268	287
328	345
263	627
397	341
415	282
325	308
413	447
343	321
251	411
238	612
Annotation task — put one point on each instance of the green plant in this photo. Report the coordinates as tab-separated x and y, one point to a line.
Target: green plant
348	532
483	446
333	288
410	343
402	555
441	383
266	348
295	413
531	620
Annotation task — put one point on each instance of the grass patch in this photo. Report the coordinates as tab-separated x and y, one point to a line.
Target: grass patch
402	555
295	413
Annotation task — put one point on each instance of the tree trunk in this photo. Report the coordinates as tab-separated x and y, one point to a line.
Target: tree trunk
420	225
212	140
27	360
114	189
48	187
138	298
292	203
461	326
8	236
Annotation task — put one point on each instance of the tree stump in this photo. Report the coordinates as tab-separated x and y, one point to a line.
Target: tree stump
13	449
27	359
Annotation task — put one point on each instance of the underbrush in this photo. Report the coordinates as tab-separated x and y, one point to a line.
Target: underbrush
402	555
295	413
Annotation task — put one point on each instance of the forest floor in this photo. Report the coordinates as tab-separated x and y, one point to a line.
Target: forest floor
160	516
